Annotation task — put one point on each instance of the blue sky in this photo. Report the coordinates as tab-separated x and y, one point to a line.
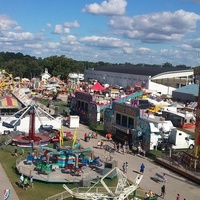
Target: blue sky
115	31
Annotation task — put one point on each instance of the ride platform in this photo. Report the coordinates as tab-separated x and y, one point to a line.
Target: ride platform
55	174
25	141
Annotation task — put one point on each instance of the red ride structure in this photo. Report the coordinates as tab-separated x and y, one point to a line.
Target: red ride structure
197	125
32	136
28	140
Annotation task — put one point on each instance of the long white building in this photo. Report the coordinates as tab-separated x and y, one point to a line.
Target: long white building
158	79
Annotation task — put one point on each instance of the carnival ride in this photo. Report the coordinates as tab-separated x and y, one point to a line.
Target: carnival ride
67	160
122	191
6	81
18	122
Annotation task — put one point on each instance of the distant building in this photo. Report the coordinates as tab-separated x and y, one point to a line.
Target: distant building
45	76
186	94
125	123
159	79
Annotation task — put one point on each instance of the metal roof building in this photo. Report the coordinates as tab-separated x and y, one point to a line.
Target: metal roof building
127	75
188	93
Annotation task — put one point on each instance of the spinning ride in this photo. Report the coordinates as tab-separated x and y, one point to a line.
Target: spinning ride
27	140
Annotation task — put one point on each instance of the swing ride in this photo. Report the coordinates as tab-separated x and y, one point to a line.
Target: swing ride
38	122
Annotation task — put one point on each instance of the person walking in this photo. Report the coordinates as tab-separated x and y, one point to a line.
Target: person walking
163	192
15	152
85	137
31	182
123	168
142	167
150	194
25	185
21	180
164	178
178	197
126	167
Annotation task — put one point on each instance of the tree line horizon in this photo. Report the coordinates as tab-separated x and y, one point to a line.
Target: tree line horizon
26	66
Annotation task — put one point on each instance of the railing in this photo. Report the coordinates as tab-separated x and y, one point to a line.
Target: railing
178	164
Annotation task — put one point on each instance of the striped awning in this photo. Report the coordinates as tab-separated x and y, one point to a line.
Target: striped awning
9	102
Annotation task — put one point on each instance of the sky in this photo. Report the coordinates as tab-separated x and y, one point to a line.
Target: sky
114	31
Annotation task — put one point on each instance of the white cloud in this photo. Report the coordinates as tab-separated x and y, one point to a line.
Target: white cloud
127	50
66	30
110	7
70	40
194	43
48	25
59	29
186	47
53	45
156	27
33	45
18	28
12	36
6	23
73	24
104	42
144	50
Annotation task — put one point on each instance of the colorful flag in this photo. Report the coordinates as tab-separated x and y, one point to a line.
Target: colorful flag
6	194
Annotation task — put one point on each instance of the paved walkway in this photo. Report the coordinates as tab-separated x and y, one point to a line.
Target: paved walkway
175	183
5	184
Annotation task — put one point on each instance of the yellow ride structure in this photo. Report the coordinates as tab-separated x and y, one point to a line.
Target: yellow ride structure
6	82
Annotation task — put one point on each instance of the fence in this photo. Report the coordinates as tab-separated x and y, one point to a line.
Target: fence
182	163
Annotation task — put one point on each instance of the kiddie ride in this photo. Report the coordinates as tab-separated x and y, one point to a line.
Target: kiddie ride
70	161
19	123
122	191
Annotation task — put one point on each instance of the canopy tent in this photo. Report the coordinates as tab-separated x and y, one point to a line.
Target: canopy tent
97	87
9	102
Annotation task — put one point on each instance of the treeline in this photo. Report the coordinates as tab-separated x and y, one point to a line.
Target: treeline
20	65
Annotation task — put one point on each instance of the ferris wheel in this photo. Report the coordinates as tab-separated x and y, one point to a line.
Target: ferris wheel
122	191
